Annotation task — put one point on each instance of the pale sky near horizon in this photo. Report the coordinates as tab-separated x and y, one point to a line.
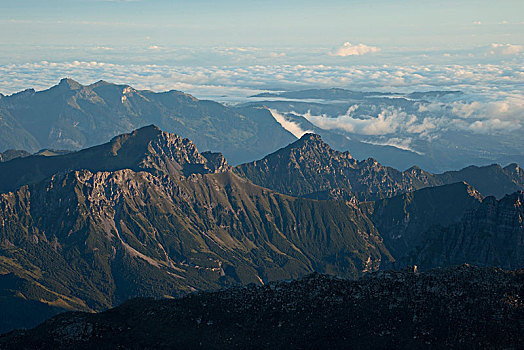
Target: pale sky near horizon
410	24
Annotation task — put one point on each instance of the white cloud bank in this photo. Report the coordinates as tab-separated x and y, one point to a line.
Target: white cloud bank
493	101
389	120
490	79
505	116
349	49
505	49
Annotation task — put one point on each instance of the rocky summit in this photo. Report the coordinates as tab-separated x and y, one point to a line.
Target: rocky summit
461	307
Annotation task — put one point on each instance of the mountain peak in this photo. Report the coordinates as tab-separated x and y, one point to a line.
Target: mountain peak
146	149
145	134
148	129
26	92
70	84
311	137
514	168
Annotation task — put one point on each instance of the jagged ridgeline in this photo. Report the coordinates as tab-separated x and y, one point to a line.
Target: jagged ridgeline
309	167
148	215
460	308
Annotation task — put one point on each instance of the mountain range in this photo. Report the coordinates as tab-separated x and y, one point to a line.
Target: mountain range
147	214
71	116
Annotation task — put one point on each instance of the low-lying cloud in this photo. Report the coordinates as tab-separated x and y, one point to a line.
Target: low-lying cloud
505	49
398	126
389	120
290	126
486	79
493	99
349	49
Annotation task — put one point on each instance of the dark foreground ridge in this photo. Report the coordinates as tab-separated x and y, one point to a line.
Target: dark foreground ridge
457	307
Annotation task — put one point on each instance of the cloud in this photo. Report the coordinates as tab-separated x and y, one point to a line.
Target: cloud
290	126
429	121
501	116
505	49
483	79
400	143
388	121
103	48
349	49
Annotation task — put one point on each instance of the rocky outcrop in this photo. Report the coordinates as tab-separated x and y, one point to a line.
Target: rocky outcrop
462	307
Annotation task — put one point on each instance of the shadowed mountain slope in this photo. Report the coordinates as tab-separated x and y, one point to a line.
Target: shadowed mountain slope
403	219
490	235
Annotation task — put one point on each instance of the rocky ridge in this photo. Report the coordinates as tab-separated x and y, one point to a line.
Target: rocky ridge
460	307
311	168
146	149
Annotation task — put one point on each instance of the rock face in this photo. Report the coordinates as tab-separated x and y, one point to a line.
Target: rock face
490	235
159	219
75	116
461	307
311	168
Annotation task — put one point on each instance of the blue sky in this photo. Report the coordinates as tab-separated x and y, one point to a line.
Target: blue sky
389	24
